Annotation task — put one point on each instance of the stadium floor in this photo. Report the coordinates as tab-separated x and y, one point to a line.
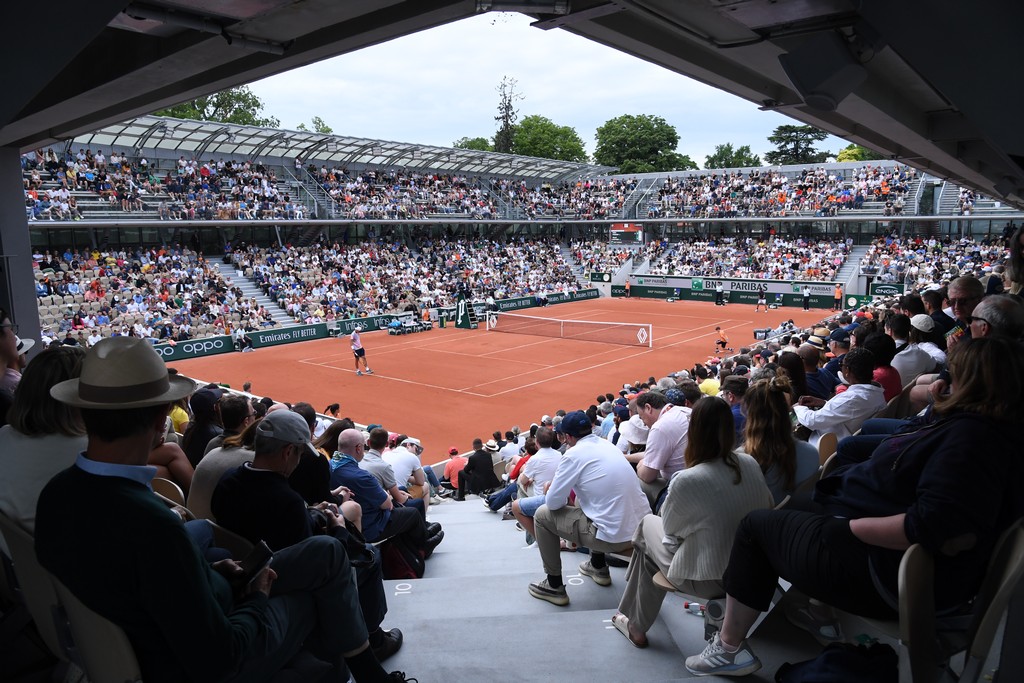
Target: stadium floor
449	386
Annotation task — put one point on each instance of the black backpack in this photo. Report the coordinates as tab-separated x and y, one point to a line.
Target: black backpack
844	663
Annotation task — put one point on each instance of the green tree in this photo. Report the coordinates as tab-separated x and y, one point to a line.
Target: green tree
726	157
640	144
480	144
319	126
855	152
538	136
795	145
234	105
504	138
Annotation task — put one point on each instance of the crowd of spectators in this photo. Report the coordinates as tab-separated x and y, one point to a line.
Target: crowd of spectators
746	257
395	194
581	199
773	194
920	261
331	282
599	257
222	190
162	294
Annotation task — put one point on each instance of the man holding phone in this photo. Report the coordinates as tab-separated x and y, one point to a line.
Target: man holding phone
130	560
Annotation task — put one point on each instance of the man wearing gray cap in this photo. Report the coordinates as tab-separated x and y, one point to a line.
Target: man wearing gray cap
131	560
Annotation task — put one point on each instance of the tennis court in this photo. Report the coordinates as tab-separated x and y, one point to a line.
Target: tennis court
448	386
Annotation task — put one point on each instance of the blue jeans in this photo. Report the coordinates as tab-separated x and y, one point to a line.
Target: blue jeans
502	498
435	485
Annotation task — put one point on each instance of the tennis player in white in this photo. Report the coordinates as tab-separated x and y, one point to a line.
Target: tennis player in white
359	352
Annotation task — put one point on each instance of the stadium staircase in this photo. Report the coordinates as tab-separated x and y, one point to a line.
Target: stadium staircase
471	618
249	289
643	188
850	269
576	269
311	191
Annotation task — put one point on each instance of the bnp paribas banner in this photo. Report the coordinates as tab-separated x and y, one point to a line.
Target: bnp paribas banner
194	348
784	292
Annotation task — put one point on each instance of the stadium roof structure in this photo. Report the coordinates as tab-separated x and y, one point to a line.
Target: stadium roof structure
928	83
204	139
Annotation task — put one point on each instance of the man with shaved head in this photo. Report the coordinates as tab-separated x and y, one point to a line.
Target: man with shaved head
381	517
820	382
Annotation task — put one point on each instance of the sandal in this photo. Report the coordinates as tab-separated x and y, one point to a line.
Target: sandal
621	624
824	631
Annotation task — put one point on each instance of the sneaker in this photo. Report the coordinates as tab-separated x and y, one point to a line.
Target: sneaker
390	643
506	516
602	577
399	677
716	661
436	500
825	631
359	373
542	590
369	371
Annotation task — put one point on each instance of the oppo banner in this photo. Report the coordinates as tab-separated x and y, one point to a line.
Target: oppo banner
195	348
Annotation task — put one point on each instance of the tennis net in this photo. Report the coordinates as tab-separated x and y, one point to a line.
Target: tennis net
630	334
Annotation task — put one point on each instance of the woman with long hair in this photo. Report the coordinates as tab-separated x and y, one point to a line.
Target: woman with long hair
794	370
768	437
934	486
42	436
690	541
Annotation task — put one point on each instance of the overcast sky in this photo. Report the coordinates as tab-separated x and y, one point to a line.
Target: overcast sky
439	85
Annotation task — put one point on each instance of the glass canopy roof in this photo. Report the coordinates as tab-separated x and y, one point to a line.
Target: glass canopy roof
206	139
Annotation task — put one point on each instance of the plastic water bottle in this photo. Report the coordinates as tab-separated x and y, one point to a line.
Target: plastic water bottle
693	607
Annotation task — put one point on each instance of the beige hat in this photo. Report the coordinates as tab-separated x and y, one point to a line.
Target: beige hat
491	445
634	431
119	373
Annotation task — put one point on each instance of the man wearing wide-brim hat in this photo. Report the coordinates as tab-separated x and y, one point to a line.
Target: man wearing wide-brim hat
102	532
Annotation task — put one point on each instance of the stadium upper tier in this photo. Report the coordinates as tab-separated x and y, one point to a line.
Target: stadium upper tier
169	169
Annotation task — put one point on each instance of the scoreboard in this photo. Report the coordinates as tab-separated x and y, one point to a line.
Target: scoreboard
626	234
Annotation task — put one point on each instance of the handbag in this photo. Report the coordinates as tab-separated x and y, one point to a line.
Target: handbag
359	555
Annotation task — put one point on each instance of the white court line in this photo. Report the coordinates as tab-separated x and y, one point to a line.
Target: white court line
398	379
543	368
599	365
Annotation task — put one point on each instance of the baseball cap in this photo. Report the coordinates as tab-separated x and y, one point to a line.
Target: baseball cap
575	424
740	370
923	322
453	451
839	335
408	440
621	412
204	400
357	328
286	426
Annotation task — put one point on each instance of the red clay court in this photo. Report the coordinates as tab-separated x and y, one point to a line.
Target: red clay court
448	386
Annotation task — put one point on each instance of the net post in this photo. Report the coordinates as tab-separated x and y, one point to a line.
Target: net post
650	336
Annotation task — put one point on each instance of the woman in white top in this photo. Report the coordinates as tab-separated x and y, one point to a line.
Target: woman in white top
768	437
42	436
691	539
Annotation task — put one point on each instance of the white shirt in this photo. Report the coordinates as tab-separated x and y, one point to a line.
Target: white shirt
911	362
666	441
509	451
844	413
540	469
607	489
403	462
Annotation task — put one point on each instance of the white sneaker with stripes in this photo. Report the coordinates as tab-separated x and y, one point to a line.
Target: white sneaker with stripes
715	660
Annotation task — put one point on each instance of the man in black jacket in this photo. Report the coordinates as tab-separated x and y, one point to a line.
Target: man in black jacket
478	474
